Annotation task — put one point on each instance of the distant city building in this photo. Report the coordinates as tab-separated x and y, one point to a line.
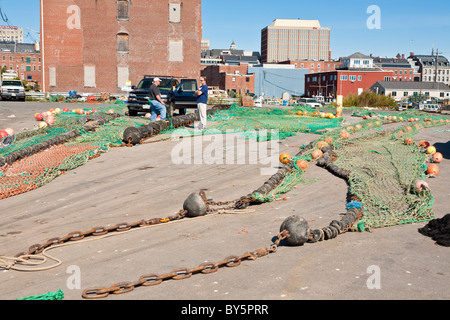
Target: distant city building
274	80
98	46
343	82
358	73
24	59
235	78
431	70
231	56
11	34
357	61
315	66
402	90
288	39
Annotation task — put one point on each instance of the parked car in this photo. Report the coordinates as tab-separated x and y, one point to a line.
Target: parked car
177	93
431	108
402	106
313	103
12	89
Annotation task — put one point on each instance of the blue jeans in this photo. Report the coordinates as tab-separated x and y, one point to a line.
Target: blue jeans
157	108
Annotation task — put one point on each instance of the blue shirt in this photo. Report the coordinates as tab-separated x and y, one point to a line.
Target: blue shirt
203	98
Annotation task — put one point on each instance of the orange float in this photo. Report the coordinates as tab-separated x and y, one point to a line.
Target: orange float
345	134
433	169
408	141
437	157
285	158
322	144
316	154
302	164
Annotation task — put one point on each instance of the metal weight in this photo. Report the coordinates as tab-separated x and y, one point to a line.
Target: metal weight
298	230
194	205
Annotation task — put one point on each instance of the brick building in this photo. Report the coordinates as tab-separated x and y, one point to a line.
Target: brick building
343	82
98	45
230	78
24	59
315	66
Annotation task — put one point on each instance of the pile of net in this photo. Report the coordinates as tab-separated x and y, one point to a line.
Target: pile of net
38	156
287	121
383	171
438	230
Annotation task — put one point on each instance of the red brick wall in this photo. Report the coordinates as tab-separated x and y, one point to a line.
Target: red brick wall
19	60
95	43
222	77
343	87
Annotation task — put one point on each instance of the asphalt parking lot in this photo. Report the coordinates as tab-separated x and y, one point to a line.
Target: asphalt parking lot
141	182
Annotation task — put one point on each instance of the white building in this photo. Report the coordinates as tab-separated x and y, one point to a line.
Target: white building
401	90
357	61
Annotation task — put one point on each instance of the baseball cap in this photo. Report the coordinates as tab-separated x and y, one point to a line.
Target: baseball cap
156	79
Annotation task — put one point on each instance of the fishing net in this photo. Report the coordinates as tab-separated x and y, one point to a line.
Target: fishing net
382	174
38	156
288	121
57	295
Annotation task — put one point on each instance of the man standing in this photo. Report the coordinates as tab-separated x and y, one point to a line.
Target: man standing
202	101
158	106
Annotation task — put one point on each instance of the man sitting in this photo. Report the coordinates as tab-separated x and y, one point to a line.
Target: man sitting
158	106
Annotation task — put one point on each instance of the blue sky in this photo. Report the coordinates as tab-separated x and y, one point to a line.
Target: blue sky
406	26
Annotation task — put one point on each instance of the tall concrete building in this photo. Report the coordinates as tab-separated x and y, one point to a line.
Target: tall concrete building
11	34
287	39
98	45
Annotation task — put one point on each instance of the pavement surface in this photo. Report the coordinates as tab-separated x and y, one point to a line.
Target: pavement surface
133	183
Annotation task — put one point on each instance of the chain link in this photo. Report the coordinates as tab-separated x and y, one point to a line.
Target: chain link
183	273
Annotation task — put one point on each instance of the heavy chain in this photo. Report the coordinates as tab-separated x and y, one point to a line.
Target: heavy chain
120	227
182	273
99	231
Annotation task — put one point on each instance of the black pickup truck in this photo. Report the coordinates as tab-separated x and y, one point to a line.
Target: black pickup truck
176	92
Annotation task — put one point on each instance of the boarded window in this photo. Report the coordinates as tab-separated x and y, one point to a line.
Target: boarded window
52	76
122	43
122	10
122	76
174	13
176	50
89	76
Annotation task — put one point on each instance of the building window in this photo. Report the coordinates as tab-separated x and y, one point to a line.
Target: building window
176	50
123	74
174	12
352	78
122	43
405	94
89	76
343	78
52	76
394	93
122	10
